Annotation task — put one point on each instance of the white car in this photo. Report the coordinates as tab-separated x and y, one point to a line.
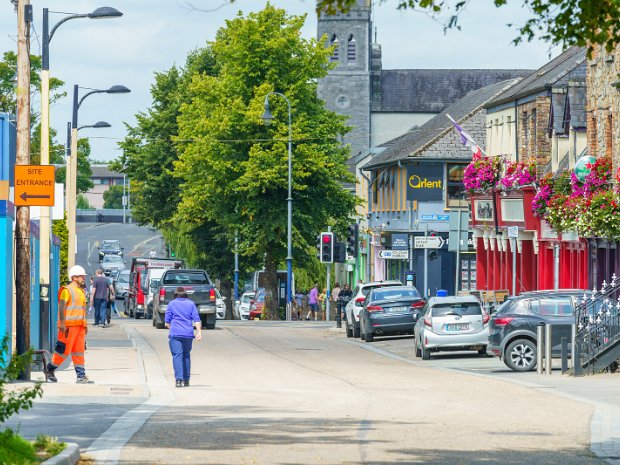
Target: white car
352	310
220	308
244	305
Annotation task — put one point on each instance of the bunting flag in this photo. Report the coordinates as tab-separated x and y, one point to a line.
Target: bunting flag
466	139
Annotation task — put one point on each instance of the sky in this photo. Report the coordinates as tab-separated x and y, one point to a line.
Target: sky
154	35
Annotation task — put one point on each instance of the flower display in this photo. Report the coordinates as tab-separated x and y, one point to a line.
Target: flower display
548	186
600	215
482	174
518	174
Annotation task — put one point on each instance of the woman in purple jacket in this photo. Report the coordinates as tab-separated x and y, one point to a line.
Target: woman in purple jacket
181	317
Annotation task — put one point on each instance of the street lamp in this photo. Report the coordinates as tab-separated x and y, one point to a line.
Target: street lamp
97	125
71	195
268	119
47	35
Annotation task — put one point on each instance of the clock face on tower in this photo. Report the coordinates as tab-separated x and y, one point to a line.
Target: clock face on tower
342	101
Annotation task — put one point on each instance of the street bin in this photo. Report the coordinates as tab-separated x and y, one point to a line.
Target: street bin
442	293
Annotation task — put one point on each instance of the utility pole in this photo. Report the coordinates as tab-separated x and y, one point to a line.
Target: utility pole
22	147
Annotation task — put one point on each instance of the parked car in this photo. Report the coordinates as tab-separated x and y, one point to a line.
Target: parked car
112	263
244	305
122	285
513	328
352	309
110	247
257	305
451	323
220	308
389	310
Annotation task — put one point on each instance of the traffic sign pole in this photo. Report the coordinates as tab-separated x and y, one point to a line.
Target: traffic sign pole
426	264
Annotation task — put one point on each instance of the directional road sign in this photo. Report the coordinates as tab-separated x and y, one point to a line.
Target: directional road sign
34	186
394	254
428	242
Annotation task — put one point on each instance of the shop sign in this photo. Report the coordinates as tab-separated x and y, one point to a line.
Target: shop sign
400	241
425	182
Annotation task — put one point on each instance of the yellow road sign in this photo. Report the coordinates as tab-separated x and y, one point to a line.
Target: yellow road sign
34	185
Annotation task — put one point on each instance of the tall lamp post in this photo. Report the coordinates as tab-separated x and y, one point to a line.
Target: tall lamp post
267	119
71	197
44	221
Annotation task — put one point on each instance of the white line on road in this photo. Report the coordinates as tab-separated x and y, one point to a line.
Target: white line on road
107	449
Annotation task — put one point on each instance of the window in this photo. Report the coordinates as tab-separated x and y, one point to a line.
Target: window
512	209
462	309
334	43
455	196
351	49
551	307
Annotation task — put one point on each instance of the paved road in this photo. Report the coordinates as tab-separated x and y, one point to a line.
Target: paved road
266	393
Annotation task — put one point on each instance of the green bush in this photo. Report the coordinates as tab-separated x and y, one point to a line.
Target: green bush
15	450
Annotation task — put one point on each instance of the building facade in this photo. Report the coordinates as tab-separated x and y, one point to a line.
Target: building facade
103	178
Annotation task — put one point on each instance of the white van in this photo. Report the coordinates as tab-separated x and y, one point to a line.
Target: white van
152	278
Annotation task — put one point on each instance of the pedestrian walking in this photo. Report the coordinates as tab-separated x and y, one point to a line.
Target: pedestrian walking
335	292
72	326
304	303
322	302
298	302
99	298
182	317
313	302
345	295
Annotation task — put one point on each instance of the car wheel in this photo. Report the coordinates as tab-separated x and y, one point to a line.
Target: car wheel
482	350
356	329
369	337
349	330
418	352
520	355
426	353
360	331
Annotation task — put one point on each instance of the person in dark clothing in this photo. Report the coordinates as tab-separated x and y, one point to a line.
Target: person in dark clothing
99	298
181	317
345	295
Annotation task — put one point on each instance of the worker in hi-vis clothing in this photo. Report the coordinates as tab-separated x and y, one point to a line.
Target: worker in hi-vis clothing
72	327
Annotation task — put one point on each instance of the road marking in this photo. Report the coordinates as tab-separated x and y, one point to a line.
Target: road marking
141	244
107	448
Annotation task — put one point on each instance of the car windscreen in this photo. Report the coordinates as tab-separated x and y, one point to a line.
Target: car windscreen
185	277
246	299
113	259
462	308
260	297
394	294
123	278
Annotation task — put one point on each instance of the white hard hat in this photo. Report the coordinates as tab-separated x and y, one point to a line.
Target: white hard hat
76	270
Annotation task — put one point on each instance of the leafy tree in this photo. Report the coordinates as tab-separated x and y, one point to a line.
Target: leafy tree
563	22
113	197
234	169
59	229
84	171
83	203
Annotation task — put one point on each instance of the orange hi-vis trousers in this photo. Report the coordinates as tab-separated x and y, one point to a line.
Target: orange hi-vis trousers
71	342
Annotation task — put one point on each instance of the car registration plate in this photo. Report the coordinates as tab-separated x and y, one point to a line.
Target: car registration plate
398	309
457	327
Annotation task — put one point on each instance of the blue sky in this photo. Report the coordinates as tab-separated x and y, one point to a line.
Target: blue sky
155	34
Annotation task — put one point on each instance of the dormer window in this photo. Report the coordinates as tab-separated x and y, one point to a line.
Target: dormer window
351	49
334	43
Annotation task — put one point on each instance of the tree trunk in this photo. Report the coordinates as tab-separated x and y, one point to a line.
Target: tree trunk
226	290
271	287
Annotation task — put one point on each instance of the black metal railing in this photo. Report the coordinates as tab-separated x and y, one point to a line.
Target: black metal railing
597	342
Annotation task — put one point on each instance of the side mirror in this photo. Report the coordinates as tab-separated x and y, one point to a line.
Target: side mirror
223	297
416	315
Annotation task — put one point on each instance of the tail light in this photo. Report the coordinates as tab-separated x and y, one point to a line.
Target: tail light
503	321
485	318
374	308
418	304
162	294
359	301
428	322
212	294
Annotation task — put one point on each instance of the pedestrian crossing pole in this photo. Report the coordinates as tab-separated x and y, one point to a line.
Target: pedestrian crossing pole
329	268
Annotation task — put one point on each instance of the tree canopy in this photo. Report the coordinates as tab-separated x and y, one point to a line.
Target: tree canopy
560	22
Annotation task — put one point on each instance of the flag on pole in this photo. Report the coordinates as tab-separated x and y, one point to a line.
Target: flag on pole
466	139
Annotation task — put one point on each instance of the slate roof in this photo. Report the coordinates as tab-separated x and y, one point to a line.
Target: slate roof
544	77
433	90
102	171
412	143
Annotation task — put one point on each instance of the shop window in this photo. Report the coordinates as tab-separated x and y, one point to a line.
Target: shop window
334	43
96	181
351	49
455	195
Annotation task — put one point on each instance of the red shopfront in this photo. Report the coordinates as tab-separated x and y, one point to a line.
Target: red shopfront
511	241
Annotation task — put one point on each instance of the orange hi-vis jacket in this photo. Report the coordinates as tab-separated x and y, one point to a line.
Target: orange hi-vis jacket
75	308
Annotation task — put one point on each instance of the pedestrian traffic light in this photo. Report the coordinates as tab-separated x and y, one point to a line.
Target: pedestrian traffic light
353	239
327	247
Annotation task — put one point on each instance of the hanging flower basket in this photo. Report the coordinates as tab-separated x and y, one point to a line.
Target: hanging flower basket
518	174
600	216
548	186
482	174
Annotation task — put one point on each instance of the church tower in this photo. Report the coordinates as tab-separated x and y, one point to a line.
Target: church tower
347	88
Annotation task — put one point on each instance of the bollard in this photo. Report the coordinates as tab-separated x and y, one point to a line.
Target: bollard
573	350
564	355
339	314
540	347
548	349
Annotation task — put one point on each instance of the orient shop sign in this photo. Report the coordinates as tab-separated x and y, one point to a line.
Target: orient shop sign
425	182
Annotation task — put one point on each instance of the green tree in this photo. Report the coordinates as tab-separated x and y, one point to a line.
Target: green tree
83	203
560	22
59	229
84	171
113	197
234	169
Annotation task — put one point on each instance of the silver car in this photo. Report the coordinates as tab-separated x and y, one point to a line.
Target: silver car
451	323
122	285
352	310
244	305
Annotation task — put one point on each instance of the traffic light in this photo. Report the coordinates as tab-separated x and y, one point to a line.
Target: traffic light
353	239
327	247
318	246
340	252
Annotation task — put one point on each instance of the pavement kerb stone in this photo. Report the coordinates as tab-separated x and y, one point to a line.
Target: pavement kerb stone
69	456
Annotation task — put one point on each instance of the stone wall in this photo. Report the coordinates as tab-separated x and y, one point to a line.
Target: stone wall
603	105
532	127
